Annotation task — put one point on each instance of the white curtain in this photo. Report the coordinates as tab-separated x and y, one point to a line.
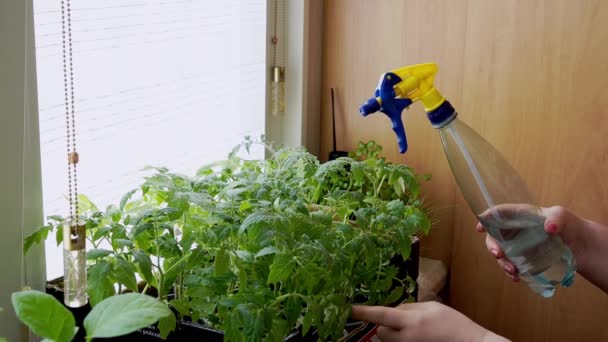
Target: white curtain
173	83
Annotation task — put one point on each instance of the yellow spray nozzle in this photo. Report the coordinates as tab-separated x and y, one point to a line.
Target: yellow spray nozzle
417	84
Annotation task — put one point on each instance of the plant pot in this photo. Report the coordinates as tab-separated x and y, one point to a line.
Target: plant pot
192	331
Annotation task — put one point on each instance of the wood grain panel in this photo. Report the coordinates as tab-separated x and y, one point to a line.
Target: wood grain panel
530	76
363	39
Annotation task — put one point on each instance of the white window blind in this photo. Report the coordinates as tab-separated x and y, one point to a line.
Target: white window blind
161	83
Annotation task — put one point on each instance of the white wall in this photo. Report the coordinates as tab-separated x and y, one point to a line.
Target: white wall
20	188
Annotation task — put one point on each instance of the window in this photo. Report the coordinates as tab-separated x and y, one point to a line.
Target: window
173	83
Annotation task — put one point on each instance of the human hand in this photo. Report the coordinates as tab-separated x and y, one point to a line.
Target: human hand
429	321
558	221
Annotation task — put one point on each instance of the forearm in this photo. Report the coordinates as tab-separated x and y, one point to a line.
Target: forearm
591	261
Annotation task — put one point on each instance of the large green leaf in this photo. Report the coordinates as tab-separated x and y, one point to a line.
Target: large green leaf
97	253
166	325
123	314
173	267
144	266
266	251
281	268
222	262
99	284
44	315
124	273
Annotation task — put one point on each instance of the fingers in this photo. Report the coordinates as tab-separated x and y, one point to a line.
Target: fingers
493	247
480	228
501	259
509	269
388	317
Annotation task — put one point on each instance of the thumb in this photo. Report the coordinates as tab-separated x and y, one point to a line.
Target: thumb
560	221
381	315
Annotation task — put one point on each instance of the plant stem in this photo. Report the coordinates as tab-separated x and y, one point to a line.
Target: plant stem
160	269
281	298
380	185
379	269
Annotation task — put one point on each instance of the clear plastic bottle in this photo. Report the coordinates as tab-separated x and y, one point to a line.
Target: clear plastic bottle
278	91
74	264
500	199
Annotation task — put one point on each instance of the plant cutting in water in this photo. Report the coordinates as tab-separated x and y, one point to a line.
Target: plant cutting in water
258	248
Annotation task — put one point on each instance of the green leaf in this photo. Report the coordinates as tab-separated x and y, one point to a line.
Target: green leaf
99	284
266	251
121	243
166	325
233	328
309	317
44	315
222	262
395	295
59	234
168	246
125	199
123	314
198	257
55	218
95	254
405	247
85	205
206	308
124	273
114	213
281	268
244	206
399	186
36	237
310	275
181	306
143	265
243	278
173	267
411	284
2	339
244	255
279	330
293	307
256	219
101	233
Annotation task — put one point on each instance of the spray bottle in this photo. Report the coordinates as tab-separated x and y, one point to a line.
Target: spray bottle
494	191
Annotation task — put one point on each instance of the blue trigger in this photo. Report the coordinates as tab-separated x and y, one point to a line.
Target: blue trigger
389	105
393	107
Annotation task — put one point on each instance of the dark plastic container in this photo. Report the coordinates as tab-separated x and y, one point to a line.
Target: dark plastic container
192	331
